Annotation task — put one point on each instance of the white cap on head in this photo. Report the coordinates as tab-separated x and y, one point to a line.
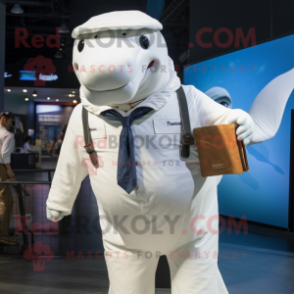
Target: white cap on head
128	20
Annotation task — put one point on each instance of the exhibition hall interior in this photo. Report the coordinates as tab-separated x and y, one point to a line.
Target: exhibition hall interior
105	184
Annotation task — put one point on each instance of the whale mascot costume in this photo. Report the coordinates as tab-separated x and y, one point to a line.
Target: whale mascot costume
156	203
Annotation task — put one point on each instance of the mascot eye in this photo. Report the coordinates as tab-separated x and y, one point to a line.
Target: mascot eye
225	104
144	42
81	45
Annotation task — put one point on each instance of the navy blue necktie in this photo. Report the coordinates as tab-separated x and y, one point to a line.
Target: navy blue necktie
126	171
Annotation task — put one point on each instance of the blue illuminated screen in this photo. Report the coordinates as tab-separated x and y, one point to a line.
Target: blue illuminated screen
262	194
27	75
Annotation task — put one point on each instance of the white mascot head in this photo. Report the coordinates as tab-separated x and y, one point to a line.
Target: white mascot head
120	57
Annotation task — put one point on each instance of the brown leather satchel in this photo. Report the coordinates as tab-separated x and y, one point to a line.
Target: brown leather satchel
219	150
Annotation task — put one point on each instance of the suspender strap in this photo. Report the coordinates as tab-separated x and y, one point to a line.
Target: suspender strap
87	139
187	138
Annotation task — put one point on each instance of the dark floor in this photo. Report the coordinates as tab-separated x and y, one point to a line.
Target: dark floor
261	261
253	271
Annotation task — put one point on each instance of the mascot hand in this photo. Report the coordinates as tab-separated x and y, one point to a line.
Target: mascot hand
245	130
54	215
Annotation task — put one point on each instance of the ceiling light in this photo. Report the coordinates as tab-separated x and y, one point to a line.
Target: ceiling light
75	101
58	54
27	99
63	29
25	90
8	90
17	9
48	98
35	94
71	95
73	92
57	99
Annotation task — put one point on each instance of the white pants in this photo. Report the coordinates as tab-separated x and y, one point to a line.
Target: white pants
193	269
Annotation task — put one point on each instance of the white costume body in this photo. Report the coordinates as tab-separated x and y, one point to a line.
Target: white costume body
166	187
137	227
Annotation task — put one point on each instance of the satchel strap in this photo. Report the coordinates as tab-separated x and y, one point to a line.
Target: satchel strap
87	139
187	138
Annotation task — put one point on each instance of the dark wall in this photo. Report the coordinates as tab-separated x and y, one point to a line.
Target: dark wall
82	10
20	53
2	51
259	21
31	115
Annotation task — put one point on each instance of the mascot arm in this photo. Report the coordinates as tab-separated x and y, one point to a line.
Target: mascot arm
211	113
69	172
269	105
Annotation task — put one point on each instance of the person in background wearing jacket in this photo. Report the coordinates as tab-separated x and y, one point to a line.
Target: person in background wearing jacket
6	201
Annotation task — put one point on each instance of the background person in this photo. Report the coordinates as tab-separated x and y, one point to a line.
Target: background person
57	145
26	147
6	201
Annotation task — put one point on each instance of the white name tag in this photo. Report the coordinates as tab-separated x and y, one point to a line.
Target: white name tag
97	129
167	125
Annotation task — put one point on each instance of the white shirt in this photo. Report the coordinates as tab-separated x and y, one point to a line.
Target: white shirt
27	147
6	145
